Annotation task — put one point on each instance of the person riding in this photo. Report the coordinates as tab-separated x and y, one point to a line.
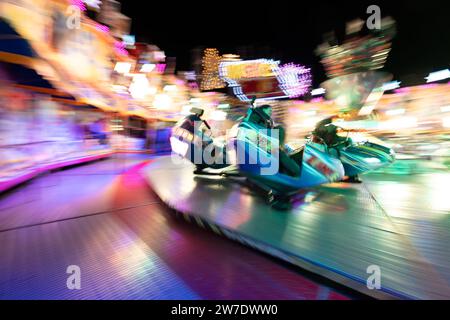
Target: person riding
326	132
287	165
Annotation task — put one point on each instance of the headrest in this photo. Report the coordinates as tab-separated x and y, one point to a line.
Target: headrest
197	111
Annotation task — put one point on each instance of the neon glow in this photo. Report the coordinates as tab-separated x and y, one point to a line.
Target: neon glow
79	4
160	67
295	80
120	48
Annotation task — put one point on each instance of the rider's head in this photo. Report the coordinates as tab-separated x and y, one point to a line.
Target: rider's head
267	109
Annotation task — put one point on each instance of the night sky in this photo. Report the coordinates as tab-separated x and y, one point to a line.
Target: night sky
282	30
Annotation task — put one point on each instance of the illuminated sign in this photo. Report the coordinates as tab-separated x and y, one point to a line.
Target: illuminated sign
249	69
265	79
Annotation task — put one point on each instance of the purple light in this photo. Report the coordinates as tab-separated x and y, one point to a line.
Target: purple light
160	67
101	27
402	90
78	3
120	48
295	80
427	86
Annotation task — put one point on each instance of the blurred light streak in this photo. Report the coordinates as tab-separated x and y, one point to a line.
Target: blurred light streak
318	91
395	112
391	85
148	67
438	75
446	122
122	67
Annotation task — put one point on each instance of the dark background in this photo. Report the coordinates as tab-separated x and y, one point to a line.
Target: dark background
291	31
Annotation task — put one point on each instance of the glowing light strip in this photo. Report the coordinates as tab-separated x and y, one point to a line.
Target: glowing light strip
295	80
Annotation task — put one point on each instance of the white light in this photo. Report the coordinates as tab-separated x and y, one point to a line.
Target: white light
170	88
129	40
311	122
391	85
446	122
218	115
95	4
372	160
445	108
342	101
400	123
186	110
223	106
148	67
119	88
159	55
310	113
438	75
395	112
318	92
139	87
152	90
122	67
162	101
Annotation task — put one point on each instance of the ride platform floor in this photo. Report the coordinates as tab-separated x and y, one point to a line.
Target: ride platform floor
104	218
397	224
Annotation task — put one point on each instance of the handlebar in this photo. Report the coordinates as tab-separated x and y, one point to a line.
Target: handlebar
206	124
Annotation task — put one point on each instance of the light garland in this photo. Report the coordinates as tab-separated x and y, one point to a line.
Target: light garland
210	70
